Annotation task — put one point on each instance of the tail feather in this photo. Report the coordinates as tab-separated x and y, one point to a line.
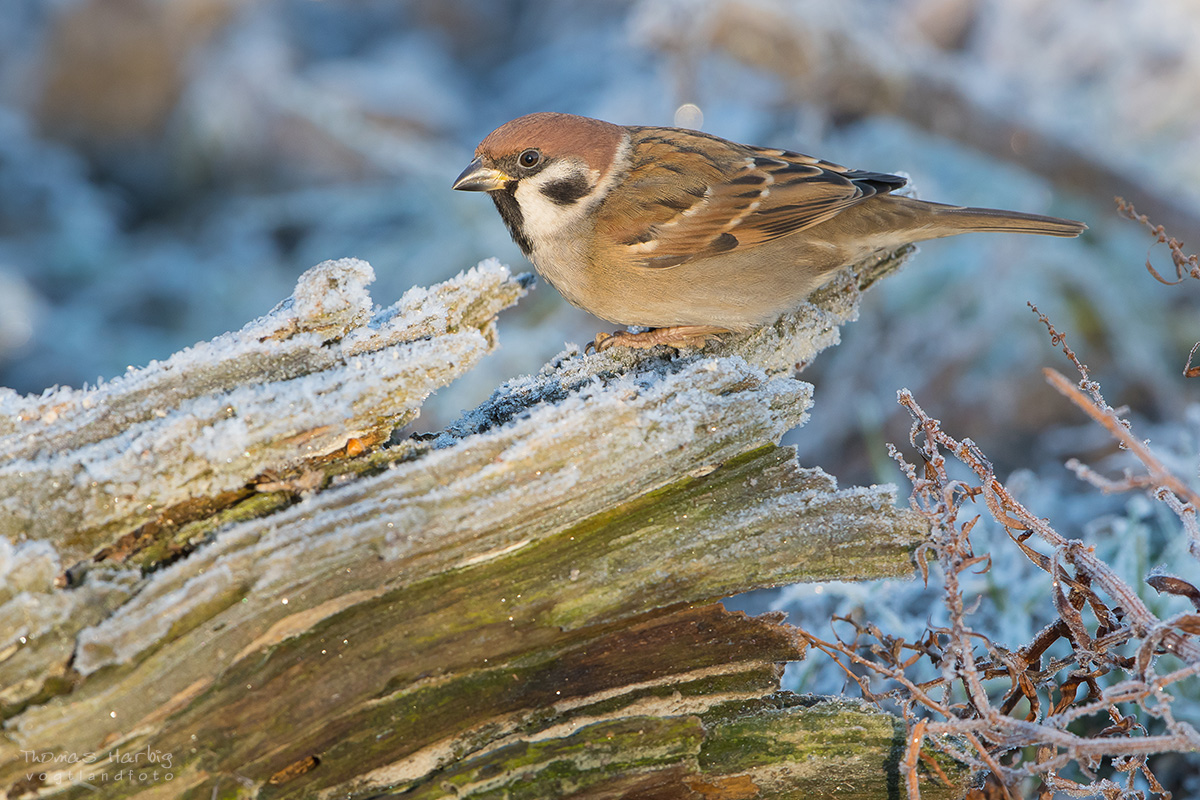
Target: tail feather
994	219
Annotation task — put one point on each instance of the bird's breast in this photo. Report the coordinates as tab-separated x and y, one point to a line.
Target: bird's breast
566	265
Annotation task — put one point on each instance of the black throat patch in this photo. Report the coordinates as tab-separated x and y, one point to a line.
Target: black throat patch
510	212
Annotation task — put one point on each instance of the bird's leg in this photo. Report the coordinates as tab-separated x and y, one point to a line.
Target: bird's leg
674	336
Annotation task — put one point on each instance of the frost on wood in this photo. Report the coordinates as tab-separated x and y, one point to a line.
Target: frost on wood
531	588
81	466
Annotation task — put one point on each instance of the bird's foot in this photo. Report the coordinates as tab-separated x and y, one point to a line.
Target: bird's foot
675	336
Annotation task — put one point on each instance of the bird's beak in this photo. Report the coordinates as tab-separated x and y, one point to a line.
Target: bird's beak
478	178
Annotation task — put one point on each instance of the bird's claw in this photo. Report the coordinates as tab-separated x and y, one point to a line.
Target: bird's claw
677	336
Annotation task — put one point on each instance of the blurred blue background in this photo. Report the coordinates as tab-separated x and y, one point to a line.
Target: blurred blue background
168	169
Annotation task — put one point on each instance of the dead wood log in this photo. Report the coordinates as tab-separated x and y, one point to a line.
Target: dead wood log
221	579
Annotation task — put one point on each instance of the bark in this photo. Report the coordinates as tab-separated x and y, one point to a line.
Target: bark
221	578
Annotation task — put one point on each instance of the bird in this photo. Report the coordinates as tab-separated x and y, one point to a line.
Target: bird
692	236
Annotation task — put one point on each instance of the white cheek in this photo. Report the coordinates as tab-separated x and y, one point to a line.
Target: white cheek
542	216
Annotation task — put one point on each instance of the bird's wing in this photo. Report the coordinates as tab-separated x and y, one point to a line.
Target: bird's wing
691	196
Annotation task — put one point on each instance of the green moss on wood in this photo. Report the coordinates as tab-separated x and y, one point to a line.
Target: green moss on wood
558	767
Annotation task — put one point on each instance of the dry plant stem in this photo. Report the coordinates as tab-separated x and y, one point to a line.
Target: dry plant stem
1106	484
1124	692
1009	512
1086	395
914	691
992	764
1159	475
1187	514
1184	264
1015	733
1190	371
1007	733
1081	582
991	731
1177	675
954	553
912	752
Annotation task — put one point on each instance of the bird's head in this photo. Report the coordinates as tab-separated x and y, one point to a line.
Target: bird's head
544	171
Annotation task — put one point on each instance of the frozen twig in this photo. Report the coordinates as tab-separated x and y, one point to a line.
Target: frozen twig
1080	580
1114	639
1158	475
1184	264
1014	516
1165	485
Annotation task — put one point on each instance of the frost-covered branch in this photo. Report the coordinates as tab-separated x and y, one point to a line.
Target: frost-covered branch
324	374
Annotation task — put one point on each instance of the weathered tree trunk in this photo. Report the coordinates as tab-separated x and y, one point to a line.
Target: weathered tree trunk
220	579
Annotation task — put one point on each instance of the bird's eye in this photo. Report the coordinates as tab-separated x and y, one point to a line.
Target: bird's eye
529	159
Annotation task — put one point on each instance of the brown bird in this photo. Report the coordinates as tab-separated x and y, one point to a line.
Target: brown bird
693	235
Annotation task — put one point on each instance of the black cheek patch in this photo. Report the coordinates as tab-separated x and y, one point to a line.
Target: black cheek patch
566	191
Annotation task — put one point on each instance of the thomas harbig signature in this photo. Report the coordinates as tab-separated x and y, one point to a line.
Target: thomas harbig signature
136	766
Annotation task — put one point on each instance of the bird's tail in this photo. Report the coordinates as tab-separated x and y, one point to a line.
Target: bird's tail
993	219
950	220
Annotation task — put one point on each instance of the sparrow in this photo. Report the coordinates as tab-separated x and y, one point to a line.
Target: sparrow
691	235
